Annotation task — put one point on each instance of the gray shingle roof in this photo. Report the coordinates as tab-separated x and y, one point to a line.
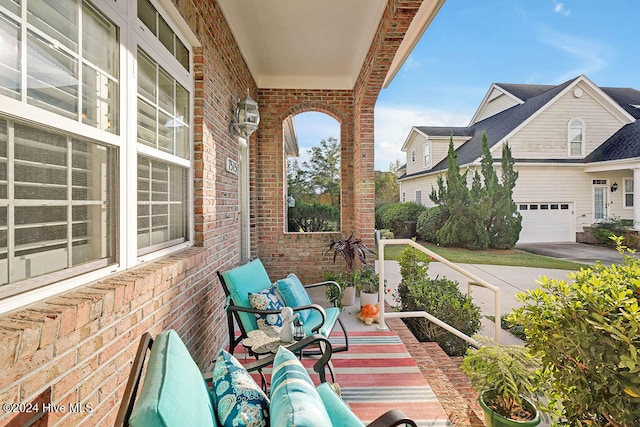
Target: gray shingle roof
619	146
624	144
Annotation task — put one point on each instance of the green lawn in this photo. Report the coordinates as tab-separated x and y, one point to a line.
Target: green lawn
512	257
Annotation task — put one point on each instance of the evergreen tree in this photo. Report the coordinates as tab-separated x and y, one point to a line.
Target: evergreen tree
464	226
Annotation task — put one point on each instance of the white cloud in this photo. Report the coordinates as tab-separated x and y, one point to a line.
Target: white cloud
560	8
589	55
393	123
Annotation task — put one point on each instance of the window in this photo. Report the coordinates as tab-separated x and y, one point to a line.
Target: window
419	197
404	197
64	94
427	155
413	156
576	138
628	192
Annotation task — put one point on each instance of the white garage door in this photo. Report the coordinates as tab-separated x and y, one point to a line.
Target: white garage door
546	222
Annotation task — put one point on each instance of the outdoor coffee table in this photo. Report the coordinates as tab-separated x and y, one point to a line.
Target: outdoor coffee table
264	341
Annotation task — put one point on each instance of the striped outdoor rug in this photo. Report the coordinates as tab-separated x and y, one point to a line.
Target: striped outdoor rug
378	374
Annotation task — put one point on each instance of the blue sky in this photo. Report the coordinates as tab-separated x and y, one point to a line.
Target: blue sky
471	44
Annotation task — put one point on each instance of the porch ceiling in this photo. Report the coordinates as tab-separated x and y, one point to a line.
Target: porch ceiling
310	44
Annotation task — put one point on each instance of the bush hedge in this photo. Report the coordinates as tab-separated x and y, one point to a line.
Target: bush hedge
439	297
430	221
394	215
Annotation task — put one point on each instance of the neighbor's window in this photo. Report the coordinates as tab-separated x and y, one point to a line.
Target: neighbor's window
419	197
64	94
427	154
313	173
628	192
413	156
576	137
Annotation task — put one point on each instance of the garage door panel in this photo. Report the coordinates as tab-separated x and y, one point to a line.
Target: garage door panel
546	222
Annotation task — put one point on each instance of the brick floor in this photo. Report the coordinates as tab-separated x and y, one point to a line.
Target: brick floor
449	383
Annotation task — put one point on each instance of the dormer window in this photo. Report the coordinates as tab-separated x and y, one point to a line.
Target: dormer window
576	138
413	156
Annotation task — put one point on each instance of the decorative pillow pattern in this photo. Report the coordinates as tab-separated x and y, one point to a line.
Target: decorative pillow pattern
238	400
267	299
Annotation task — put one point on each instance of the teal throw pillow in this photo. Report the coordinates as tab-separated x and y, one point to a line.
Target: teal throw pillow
267	299
294	399
294	294
238	399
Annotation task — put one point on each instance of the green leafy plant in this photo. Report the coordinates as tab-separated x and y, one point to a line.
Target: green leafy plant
345	280
366	279
587	333
439	297
393	216
505	373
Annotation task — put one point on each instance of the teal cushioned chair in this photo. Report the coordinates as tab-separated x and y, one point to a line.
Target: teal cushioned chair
252	277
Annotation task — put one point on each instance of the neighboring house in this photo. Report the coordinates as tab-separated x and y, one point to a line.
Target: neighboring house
576	148
124	185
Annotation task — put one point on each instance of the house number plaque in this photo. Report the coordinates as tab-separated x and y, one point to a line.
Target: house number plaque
232	166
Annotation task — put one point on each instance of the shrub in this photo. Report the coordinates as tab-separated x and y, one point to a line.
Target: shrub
605	231
587	333
380	212
430	221
310	217
439	297
396	214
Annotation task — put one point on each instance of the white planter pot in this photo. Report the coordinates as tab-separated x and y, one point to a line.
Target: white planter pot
367	298
349	296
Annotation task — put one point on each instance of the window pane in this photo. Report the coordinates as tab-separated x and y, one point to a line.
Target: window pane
628	200
165	34
12	6
162	200
63	206
182	54
147	123
100	43
165	132
52	77
628	186
56	18
99	100
147	14
147	82
166	99
10	58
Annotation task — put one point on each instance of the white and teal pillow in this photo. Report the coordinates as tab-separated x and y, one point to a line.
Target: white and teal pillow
267	299
238	400
294	399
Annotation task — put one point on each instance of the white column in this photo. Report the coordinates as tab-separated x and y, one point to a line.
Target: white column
636	198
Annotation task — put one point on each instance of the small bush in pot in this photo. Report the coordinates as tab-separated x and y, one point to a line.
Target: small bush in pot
587	333
507	378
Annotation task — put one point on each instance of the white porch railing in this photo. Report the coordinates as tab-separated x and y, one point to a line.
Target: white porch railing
474	281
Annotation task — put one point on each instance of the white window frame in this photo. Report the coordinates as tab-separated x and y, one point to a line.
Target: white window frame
625	193
413	156
132	33
427	154
419	197
404	197
601	185
570	124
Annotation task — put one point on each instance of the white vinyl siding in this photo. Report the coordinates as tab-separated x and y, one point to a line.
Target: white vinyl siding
499	103
545	137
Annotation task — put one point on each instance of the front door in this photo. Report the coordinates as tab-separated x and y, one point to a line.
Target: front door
600	202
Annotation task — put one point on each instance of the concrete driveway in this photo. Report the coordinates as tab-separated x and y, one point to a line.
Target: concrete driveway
576	252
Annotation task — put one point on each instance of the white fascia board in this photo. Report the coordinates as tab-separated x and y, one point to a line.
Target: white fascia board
414	130
613	165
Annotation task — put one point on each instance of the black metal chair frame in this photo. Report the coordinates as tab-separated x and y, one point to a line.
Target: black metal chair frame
233	317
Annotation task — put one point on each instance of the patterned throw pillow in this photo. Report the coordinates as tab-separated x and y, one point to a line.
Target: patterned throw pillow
267	299
238	400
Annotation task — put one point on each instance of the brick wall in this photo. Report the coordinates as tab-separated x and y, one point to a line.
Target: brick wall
79	346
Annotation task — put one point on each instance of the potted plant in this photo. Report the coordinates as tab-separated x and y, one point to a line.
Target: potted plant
347	289
349	248
506	377
368	281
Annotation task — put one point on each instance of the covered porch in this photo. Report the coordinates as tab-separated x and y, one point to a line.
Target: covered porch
70	337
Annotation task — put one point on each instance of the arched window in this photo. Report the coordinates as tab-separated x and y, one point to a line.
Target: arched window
312	150
576	138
